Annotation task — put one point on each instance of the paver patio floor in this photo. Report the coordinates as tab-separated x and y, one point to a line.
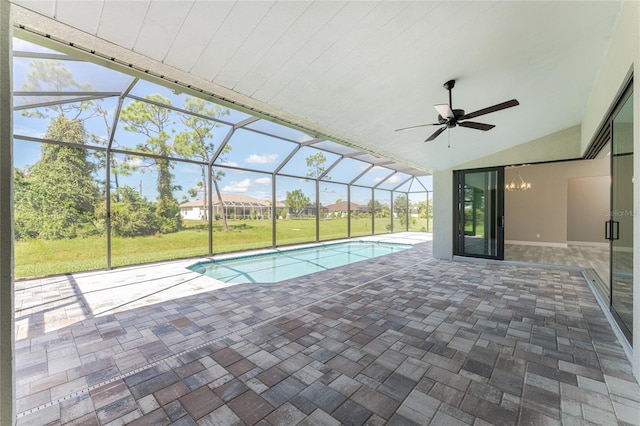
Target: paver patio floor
400	339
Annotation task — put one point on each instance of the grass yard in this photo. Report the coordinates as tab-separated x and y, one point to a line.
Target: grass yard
41	258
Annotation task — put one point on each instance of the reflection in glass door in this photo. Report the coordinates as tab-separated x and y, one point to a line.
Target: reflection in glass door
480	213
620	226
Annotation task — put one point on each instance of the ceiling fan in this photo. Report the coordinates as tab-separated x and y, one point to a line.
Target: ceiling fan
449	117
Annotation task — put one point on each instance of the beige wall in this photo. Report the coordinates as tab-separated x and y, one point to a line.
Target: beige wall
541	214
587	209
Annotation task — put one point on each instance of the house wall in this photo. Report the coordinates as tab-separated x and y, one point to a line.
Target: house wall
562	145
191	213
7	383
443	189
622	59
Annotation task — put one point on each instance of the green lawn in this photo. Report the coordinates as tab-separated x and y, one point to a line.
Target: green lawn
40	258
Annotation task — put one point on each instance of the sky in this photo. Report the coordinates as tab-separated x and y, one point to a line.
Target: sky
249	148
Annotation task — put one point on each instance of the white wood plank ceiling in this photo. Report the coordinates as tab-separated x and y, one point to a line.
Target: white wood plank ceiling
362	69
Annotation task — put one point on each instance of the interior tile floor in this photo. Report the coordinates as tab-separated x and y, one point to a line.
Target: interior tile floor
594	257
401	339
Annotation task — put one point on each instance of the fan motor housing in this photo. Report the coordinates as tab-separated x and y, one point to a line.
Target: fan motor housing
457	113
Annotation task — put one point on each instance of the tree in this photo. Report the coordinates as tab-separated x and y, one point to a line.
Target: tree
375	207
198	142
117	168
131	215
154	122
52	76
55	197
401	207
424	209
297	201
23	212
315	163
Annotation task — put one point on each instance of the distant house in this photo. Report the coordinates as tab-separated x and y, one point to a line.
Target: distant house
195	210
343	207
236	206
309	210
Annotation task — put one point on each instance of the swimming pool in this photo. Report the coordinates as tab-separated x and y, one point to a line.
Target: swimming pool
285	264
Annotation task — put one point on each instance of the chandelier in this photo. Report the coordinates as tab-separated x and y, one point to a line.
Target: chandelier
520	185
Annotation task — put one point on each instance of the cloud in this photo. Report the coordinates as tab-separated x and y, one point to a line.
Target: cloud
134	161
27	131
229	163
261	159
238	186
263	181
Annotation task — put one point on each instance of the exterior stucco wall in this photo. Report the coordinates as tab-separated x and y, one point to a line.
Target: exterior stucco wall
7	384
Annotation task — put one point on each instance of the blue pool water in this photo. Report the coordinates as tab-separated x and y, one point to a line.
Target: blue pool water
282	265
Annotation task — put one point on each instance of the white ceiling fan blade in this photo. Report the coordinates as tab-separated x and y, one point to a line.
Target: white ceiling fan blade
444	110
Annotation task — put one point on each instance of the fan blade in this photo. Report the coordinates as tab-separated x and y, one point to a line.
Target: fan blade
477	126
419	125
436	134
488	110
444	110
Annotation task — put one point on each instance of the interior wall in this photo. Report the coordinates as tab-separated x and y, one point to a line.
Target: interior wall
587	210
540	216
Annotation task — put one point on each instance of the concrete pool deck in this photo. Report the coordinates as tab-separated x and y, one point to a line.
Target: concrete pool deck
399	339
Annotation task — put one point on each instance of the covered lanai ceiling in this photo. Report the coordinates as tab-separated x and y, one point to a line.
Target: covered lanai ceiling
355	71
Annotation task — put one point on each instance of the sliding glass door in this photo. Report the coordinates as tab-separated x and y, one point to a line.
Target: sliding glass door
480	213
620	226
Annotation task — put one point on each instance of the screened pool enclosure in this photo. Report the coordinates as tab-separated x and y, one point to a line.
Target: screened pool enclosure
114	167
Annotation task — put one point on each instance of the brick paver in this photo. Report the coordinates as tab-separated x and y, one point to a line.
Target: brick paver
403	339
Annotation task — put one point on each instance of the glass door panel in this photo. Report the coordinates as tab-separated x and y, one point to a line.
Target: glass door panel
620	226
480	213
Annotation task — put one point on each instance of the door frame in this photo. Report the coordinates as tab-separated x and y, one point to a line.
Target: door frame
497	216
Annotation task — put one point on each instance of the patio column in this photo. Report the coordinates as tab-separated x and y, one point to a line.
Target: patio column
7	382
443	214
